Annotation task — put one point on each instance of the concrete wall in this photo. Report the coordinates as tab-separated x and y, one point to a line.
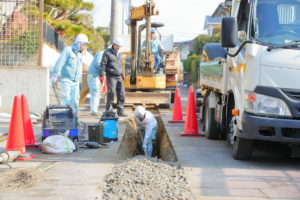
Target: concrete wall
34	82
31	81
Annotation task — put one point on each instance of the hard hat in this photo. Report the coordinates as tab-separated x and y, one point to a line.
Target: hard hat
139	111
82	38
118	42
153	30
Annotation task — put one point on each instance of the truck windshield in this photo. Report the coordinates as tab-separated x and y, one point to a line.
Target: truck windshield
277	22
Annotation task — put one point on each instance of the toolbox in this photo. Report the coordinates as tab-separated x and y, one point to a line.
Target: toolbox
59	120
110	126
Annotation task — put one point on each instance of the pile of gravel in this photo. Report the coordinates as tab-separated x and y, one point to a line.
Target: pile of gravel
142	178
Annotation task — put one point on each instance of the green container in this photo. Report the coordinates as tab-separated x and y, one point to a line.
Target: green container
95	133
213	68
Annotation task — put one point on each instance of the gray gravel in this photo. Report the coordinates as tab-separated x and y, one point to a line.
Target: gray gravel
142	178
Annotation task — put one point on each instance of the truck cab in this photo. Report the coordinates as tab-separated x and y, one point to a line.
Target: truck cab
258	94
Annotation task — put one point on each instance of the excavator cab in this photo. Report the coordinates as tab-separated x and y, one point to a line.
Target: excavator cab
141	65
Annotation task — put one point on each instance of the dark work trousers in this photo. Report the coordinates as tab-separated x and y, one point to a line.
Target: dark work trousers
115	86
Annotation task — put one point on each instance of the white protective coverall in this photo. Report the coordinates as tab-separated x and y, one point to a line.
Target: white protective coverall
148	126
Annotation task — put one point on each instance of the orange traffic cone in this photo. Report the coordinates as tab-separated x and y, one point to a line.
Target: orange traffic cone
191	124
177	110
28	130
15	138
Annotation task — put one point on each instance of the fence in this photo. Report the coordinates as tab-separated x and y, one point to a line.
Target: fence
51	37
19	32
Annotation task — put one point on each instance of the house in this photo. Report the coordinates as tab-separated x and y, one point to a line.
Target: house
185	48
214	21
211	23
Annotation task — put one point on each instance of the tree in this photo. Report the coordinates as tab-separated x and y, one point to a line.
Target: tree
64	9
192	64
201	40
216	30
71	17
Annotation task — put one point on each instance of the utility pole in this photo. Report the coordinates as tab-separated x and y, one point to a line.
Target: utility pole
129	13
115	19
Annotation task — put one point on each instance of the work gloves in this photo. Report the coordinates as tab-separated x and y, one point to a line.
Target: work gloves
101	79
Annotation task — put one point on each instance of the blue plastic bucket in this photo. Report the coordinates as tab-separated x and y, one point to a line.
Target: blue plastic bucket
110	129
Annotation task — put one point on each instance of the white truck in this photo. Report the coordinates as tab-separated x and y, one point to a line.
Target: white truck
251	81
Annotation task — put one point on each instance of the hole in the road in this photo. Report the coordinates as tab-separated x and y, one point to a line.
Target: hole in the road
131	143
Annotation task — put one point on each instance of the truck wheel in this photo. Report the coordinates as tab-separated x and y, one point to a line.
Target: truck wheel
211	130
241	147
172	96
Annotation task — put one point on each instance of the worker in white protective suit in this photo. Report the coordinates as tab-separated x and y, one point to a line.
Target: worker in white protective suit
94	83
147	124
69	69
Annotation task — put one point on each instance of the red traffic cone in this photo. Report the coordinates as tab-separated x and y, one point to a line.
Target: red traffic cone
177	110
28	130
191	124
15	138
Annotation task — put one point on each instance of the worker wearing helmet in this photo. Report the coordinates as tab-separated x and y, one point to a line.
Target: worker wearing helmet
111	66
94	83
146	123
69	69
156	48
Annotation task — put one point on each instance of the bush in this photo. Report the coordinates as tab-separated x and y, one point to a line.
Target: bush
201	40
194	69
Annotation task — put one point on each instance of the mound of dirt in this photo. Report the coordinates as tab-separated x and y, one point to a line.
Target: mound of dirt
20	178
144	178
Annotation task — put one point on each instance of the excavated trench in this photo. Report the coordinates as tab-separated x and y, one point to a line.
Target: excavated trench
131	143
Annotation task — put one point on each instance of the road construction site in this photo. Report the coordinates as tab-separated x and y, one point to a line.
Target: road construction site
198	168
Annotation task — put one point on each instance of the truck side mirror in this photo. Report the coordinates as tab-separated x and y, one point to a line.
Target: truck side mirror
229	32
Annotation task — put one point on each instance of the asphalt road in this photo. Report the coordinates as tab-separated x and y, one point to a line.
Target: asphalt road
214	174
211	171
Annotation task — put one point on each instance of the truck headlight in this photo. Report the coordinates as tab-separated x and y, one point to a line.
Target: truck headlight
265	105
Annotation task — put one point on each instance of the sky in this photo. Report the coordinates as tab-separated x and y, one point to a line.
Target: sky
182	18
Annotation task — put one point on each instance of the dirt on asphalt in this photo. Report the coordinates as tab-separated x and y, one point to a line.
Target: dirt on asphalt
20	178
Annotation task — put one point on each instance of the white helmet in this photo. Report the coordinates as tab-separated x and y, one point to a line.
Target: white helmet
82	38
118	42
140	111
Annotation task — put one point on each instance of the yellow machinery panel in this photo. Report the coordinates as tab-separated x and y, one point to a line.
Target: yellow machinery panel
139	13
154	82
126	82
171	83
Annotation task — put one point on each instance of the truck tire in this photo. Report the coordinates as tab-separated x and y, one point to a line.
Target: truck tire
211	130
241	147
172	96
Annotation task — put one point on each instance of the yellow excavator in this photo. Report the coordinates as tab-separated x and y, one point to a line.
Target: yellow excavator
142	85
